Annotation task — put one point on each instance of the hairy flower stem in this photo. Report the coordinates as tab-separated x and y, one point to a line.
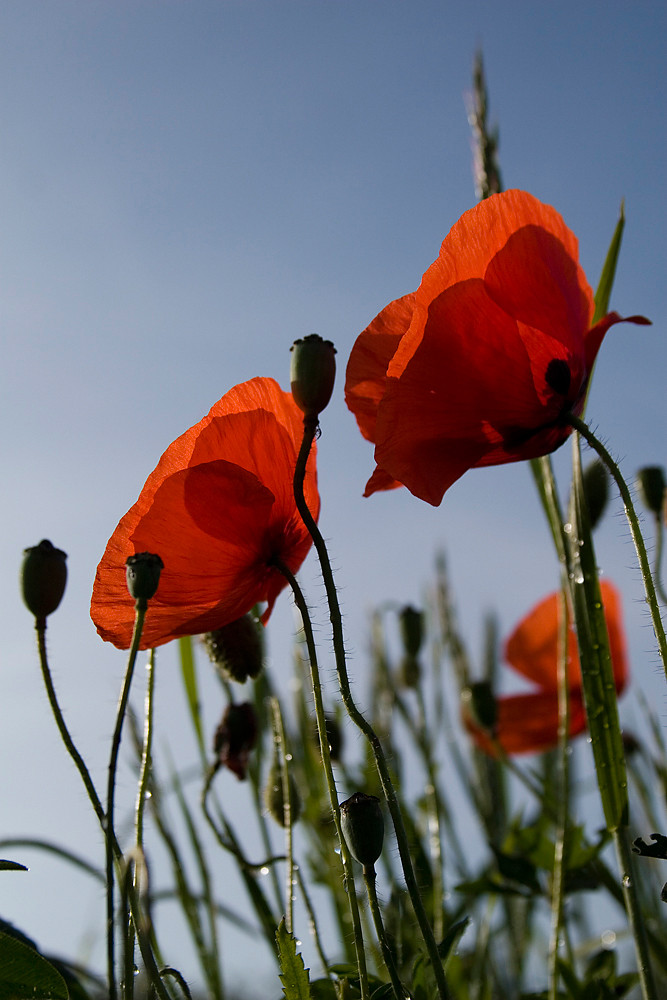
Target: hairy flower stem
109	835
369	880
288	824
631	514
300	602
140	614
310	429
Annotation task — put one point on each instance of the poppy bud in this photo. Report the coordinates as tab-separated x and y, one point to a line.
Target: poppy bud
142	572
334	736
479	704
274	797
363	827
235	737
596	490
43	578
312	373
412	634
236	649
651	484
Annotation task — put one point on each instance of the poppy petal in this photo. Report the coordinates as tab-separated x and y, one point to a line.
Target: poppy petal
528	723
218	509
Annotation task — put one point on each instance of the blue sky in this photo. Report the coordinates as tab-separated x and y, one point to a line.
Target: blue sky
185	188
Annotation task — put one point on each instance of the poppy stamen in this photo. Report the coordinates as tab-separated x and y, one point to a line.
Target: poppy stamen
558	376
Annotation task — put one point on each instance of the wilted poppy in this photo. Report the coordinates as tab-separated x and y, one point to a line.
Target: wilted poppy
482	364
528	723
219	510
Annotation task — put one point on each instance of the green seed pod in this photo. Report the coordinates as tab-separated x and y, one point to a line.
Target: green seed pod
43	578
651	484
274	798
236	649
596	490
312	373
480	704
363	827
142	572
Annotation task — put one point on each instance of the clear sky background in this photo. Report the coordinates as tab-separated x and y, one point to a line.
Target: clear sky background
185	188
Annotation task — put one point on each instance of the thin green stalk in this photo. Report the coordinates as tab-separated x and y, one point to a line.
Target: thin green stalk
98	808
633	521
310	429
281	748
562	799
369	880
140	614
312	920
300	602
635	916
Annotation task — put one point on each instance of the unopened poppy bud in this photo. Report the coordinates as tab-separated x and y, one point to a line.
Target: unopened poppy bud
312	373
651	483
274	796
412	634
142	572
236	649
596	490
236	737
43	578
363	827
479	704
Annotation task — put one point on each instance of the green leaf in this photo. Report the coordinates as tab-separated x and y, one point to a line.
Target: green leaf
293	974
26	975
596	667
11	866
189	675
603	293
323	989
452	937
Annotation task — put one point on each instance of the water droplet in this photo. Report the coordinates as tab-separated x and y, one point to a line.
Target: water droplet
567	528
608	939
288	756
299	943
627	881
264	870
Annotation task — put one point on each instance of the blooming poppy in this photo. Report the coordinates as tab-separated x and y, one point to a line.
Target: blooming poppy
482	364
219	510
528	723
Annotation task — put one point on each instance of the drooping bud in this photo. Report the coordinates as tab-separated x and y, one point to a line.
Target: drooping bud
142	572
412	635
236	737
236	649
596	490
312	373
334	736
274	795
479	706
651	484
43	578
363	827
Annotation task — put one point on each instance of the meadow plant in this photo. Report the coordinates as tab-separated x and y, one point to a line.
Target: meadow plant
488	362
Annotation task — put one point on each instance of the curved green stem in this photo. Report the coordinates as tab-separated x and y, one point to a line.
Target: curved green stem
300	602
369	880
310	428
633	521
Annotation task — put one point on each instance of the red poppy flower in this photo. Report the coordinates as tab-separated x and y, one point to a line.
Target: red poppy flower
218	509
481	363
528	723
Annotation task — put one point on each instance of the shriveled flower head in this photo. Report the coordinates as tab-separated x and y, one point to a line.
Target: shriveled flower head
528	723
480	365
218	510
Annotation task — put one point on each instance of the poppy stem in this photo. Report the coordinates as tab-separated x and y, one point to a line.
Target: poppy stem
633	521
98	808
300	602
310	429
140	614
369	880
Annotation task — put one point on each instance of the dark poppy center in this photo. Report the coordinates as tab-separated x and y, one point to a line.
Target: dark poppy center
558	376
